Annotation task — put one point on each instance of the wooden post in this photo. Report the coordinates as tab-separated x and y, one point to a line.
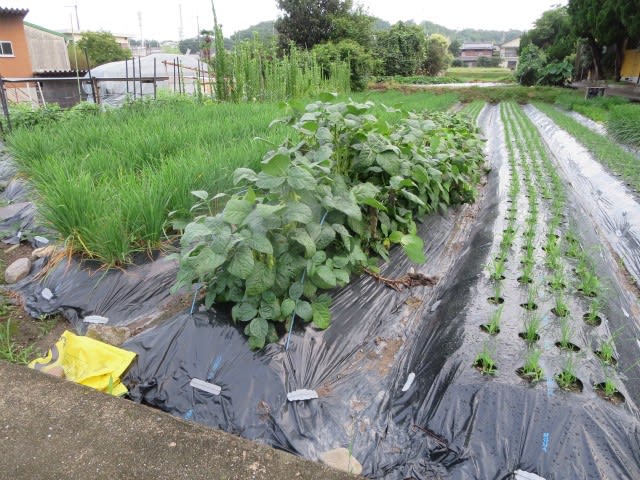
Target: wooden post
155	85
5	105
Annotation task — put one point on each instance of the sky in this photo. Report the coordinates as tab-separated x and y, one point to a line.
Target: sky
161	19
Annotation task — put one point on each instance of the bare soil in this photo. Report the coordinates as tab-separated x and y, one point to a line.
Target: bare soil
37	334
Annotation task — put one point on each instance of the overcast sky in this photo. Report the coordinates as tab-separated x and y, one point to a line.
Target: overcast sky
161	19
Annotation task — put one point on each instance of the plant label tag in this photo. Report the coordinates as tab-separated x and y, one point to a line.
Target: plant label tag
97	319
205	386
300	395
409	382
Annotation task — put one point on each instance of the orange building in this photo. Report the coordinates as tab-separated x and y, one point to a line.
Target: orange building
14	52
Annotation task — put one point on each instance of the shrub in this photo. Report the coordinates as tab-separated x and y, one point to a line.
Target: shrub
360	61
532	61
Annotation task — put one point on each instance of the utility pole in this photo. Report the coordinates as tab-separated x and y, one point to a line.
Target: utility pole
141	37
180	25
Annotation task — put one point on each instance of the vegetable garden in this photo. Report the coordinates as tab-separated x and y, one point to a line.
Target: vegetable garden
443	289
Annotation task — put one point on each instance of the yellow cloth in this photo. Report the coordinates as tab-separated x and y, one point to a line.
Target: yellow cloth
88	362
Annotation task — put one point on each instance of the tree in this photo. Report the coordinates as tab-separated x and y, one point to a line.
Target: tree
401	49
530	64
356	25
360	61
189	45
101	47
309	22
454	47
602	23
553	33
438	57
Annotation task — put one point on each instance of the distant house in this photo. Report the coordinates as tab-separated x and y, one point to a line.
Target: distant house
470	52
509	53
14	52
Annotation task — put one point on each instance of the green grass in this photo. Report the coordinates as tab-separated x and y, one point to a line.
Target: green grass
9	349
107	183
624	124
480	74
597	109
604	149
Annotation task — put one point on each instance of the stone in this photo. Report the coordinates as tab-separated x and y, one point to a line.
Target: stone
42	252
109	334
46	294
56	371
341	459
17	270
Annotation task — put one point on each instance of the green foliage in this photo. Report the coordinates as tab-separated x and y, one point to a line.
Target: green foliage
531	369
606	150
488	62
437	56
101	47
324	206
401	49
553	33
356	26
485	362
555	73
530	65
107	182
624	124
9	349
359	60
309	22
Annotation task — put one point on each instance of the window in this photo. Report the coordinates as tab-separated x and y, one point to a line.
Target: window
6	49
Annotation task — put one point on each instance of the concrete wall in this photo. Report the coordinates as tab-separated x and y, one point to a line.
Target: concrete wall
47	51
12	30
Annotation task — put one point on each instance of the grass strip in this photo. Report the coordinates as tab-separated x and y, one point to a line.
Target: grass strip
605	150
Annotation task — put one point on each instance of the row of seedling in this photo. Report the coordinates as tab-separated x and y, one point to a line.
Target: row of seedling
484	360
587	280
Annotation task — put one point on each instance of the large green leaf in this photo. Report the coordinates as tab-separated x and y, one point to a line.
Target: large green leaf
321	314
242	263
413	246
241	174
276	164
236	210
262	278
260	243
304	310
208	261
302	237
194	232
258	327
243	312
324	277
300	179
287	307
297	212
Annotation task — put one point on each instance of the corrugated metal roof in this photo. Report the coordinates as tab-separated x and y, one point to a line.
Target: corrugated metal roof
13	11
38	27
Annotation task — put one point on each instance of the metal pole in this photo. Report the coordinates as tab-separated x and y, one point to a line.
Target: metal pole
133	62
174	77
126	74
155	85
5	105
140	75
93	85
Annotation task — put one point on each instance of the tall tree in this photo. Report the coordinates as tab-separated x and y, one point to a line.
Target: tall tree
553	33
309	22
101	47
603	23
438	57
401	49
